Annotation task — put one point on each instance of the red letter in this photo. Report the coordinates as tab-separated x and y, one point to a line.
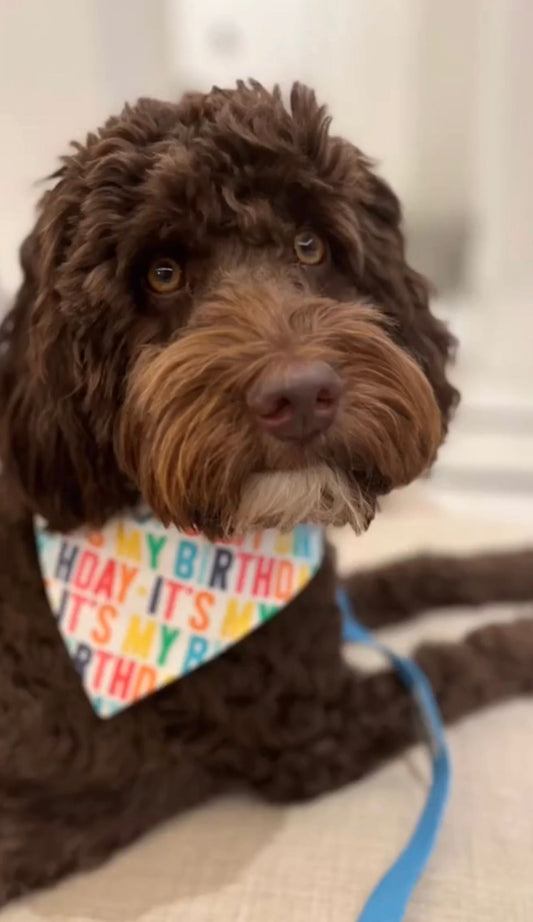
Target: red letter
86	569
122	676
174	591
78	601
103	658
263	576
243	559
106	580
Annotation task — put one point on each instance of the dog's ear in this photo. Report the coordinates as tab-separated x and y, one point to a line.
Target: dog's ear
51	461
43	468
403	292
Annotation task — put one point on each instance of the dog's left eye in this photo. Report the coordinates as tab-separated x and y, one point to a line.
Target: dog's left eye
164	275
309	248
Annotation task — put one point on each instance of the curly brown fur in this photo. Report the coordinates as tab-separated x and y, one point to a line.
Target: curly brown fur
396	591
221	182
109	392
177	436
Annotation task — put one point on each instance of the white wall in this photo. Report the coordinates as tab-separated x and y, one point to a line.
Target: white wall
397	75
502	264
503	180
65	65
337	48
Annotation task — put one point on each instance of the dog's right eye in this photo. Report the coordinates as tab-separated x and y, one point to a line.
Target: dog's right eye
310	249
164	275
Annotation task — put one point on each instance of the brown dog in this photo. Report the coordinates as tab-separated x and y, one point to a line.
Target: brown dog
217	316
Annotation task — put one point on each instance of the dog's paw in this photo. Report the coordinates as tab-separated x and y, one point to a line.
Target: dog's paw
509	647
492	664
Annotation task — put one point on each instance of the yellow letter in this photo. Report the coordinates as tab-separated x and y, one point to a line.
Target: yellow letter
128	543
304	576
283	543
138	640
237	622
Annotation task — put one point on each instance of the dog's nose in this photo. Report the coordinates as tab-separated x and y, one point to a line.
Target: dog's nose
296	401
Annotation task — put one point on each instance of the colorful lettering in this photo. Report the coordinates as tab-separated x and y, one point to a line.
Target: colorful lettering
122	676
155	594
144	683
174	590
78	601
139	637
104	584
95	538
81	659
185	557
168	638
284	580
127	575
62	607
243	560
263	576
303	577
87	564
221	564
283	543
129	542
206	555
155	546
139	606
200	620
66	560
196	653
238	620
266	612
104	616
302	542
103	658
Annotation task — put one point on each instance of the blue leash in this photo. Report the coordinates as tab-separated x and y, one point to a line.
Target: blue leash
389	900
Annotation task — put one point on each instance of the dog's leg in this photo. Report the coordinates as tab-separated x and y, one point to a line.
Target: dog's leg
363	721
394	592
43	837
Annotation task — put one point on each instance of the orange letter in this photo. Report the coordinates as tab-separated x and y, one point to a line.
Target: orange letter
102	633
95	538
200	620
127	575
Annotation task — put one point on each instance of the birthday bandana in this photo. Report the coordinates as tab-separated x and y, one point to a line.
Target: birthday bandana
138	605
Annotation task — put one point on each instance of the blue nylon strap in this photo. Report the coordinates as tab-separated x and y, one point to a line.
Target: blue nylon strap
389	900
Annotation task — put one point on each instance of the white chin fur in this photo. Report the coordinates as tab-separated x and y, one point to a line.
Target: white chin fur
284	499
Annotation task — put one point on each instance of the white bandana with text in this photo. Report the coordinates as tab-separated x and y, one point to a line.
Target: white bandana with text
139	605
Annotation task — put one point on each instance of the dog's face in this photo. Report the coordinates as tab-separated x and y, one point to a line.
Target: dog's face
217	315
